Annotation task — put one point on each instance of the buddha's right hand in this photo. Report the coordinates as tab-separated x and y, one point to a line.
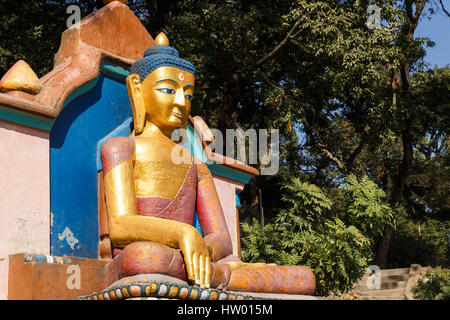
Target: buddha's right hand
197	256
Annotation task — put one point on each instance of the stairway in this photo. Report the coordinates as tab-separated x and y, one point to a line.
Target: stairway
392	287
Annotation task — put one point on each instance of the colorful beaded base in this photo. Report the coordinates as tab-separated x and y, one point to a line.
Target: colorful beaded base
163	290
34	257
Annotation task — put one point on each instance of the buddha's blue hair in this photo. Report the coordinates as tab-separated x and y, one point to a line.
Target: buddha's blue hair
160	56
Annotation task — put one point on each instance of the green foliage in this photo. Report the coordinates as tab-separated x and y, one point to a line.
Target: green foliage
365	206
261	243
424	242
436	285
306	233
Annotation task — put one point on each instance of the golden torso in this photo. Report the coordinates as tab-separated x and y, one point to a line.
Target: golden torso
156	175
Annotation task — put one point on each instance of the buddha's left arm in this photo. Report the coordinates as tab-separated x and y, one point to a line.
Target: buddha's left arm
210	215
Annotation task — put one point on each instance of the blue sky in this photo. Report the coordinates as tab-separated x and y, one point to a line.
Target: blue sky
438	30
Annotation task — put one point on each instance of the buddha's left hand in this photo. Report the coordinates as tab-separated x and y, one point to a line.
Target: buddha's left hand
197	257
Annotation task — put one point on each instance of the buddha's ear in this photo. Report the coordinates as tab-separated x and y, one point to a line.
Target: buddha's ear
134	87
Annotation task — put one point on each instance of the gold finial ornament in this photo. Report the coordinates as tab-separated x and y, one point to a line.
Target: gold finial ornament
161	40
21	78
106	2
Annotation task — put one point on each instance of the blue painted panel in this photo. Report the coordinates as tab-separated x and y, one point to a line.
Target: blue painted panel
196	223
193	144
238	202
73	166
229	173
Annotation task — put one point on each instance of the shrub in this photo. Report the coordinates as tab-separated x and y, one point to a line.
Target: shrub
436	285
307	233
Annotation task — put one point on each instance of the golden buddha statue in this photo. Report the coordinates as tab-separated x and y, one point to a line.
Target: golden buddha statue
151	200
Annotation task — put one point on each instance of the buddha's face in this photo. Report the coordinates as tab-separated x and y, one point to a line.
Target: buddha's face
167	93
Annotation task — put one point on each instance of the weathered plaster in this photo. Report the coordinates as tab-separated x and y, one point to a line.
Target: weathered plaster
227	196
24	194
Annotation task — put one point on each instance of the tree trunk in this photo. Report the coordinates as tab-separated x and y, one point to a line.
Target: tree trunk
402	176
397	192
383	248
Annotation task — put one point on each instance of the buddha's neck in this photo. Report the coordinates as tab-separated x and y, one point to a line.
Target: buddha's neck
151	130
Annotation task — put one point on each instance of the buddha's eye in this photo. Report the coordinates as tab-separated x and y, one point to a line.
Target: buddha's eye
189	97
166	90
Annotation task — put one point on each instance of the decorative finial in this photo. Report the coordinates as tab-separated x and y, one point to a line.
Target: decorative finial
161	40
106	2
20	78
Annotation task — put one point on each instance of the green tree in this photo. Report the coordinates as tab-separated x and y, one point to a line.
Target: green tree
309	233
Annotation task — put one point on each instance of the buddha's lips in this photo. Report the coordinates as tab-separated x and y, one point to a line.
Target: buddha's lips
178	115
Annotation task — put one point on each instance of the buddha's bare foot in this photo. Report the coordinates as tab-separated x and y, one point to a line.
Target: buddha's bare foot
272	279
221	276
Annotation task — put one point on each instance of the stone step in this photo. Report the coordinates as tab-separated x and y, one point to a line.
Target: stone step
362	287
386	292
394	277
390	279
389	276
394	284
399	271
381	298
386	279
387	273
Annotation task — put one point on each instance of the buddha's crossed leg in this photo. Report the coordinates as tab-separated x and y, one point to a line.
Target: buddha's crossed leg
151	257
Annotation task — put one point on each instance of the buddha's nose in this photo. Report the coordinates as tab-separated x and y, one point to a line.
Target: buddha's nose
179	98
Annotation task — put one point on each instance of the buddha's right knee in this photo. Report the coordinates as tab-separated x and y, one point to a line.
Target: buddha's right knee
146	258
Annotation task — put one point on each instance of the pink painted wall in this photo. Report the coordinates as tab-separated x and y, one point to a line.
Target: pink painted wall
226	190
24	194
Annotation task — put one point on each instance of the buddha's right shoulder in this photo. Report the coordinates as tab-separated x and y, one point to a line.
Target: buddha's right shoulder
119	144
116	150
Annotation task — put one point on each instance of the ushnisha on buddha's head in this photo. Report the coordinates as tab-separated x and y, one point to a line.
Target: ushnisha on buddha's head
161	87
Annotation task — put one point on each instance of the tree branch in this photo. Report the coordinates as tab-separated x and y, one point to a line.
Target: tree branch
325	150
300	46
443	8
280	89
281	44
419	9
354	154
